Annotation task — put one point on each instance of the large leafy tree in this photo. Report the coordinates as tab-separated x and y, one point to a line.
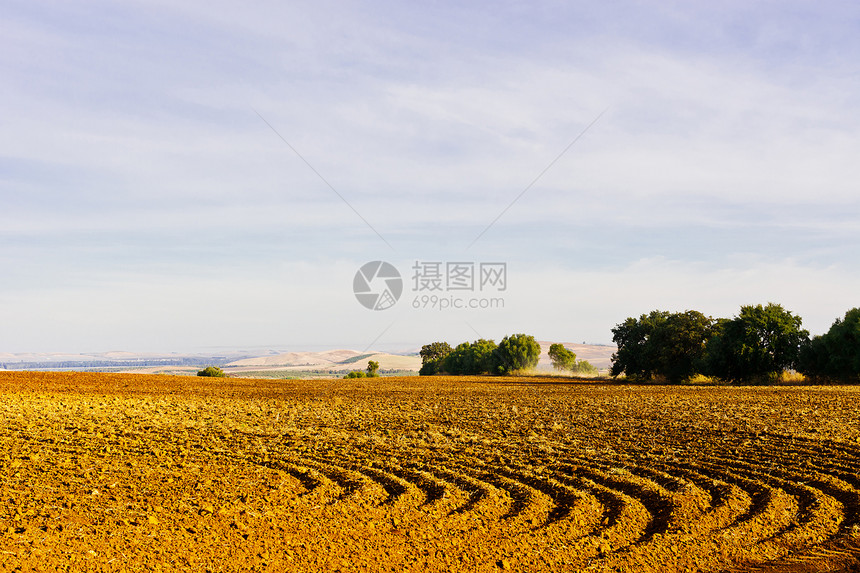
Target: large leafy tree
755	346
661	344
432	356
635	354
516	352
562	358
458	360
482	356
835	354
679	344
470	358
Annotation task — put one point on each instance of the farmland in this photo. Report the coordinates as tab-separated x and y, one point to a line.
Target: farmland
108	472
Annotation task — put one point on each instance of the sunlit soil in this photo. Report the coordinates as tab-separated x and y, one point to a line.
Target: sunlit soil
133	472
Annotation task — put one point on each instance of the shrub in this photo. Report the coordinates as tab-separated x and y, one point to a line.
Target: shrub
356	374
585	367
213	371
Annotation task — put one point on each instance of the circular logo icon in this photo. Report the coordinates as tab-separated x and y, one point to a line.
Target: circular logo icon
377	285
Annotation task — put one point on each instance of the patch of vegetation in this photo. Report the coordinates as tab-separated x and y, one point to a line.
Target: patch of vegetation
661	344
562	358
432	358
515	353
835	355
212	371
371	372
355	359
763	344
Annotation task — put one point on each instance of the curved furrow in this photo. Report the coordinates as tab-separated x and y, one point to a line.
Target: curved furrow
821	543
435	490
398	490
792	451
727	501
314	481
659	503
354	483
844	450
795	451
619	507
747	539
350	482
818	516
475	490
667	481
624	519
810	460
569	503
773	510
527	503
743	534
828	474
802	460
689	502
694	506
847	494
311	479
440	497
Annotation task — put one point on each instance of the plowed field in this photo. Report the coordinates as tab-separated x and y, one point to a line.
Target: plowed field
112	472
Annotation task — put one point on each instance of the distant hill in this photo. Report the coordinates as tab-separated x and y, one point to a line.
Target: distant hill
106	361
346	360
237	362
334	360
598	355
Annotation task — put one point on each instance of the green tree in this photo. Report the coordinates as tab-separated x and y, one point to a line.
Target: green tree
679	345
457	361
213	371
634	356
432	356
756	346
357	374
661	344
372	369
482	356
835	354
562	358
516	352
470	358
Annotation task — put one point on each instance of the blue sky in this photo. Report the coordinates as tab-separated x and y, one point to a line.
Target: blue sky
146	206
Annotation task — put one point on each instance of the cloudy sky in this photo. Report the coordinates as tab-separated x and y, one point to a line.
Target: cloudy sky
212	175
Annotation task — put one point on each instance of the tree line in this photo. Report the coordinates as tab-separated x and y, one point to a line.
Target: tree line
756	346
515	352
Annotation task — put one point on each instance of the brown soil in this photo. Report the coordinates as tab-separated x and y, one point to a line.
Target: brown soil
107	472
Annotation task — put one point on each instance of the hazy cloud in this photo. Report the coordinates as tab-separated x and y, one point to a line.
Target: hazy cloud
134	171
